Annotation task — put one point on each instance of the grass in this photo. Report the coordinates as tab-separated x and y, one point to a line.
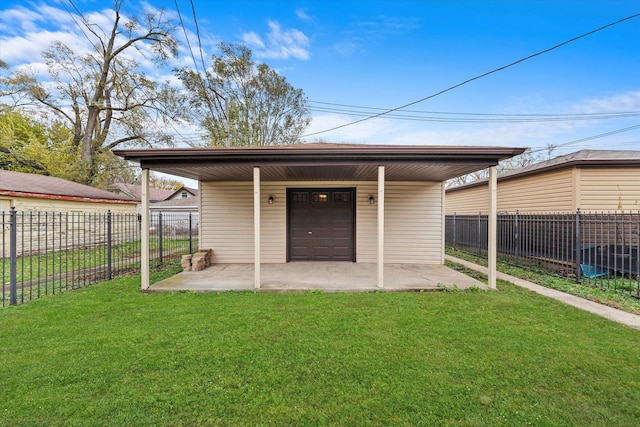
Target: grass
110	355
608	297
32	267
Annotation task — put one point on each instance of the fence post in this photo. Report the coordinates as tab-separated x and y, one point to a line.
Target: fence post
454	230
109	245
479	234
516	238
160	237
13	256
578	256
190	234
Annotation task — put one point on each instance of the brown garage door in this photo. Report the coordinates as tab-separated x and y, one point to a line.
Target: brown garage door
321	224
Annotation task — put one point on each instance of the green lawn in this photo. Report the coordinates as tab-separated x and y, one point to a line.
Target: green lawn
110	355
587	290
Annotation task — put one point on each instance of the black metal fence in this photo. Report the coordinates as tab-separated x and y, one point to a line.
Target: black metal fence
601	249
45	253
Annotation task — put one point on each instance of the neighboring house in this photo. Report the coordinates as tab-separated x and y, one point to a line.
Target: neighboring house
183	193
29	192
134	192
56	213
178	214
589	180
321	202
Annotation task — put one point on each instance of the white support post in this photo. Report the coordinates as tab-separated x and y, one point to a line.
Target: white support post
256	226
144	236
380	226
492	226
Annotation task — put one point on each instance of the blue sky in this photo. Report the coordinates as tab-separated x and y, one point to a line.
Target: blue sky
384	54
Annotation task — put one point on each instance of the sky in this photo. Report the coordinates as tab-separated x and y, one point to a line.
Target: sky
355	59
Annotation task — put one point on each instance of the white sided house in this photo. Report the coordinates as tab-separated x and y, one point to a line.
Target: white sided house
320	202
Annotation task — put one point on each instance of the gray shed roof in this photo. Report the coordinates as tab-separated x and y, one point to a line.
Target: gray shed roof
584	158
41	186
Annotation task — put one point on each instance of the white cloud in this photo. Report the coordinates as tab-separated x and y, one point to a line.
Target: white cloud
629	101
376	131
280	43
253	40
303	15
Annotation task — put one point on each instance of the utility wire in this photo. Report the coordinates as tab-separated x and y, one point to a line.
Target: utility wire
470	113
478	77
496	118
590	138
195	62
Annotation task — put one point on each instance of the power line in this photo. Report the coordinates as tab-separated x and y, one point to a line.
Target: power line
479	76
495	118
590	138
472	113
193	57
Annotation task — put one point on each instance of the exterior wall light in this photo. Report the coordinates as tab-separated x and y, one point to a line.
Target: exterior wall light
270	200
372	200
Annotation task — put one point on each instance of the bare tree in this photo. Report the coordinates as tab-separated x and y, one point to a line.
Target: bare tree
525	159
262	108
103	95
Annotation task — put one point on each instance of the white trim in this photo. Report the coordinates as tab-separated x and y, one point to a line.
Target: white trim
492	226
256	226
380	226
144	263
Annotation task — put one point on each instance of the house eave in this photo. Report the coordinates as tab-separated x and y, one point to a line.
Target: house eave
193	163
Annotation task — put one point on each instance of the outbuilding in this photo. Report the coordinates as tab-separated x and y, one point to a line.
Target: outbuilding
372	204
589	180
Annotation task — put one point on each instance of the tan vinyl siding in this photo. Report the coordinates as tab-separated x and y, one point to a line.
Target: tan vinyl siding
610	189
226	221
413	222
547	192
366	223
468	201
273	223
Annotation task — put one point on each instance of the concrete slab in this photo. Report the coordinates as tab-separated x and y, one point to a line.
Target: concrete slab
321	276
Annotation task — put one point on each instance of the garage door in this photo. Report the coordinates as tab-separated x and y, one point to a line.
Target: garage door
321	224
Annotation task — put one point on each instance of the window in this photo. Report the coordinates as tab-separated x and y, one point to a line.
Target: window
341	197
320	198
185	194
300	197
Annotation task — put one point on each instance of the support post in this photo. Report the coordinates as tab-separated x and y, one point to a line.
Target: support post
256	226
492	226
144	237
380	226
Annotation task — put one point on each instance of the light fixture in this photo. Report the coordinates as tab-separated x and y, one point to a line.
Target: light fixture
270	200
372	200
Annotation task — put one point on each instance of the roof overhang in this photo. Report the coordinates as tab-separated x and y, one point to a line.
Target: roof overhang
331	162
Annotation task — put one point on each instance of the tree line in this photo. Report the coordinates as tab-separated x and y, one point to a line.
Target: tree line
91	102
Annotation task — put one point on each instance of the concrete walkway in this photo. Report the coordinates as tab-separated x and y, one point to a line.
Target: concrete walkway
629	319
320	276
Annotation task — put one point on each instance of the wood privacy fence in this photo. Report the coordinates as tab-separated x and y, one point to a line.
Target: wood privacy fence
48	252
598	248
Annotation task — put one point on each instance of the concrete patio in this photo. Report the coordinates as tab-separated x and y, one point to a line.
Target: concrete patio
321	276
